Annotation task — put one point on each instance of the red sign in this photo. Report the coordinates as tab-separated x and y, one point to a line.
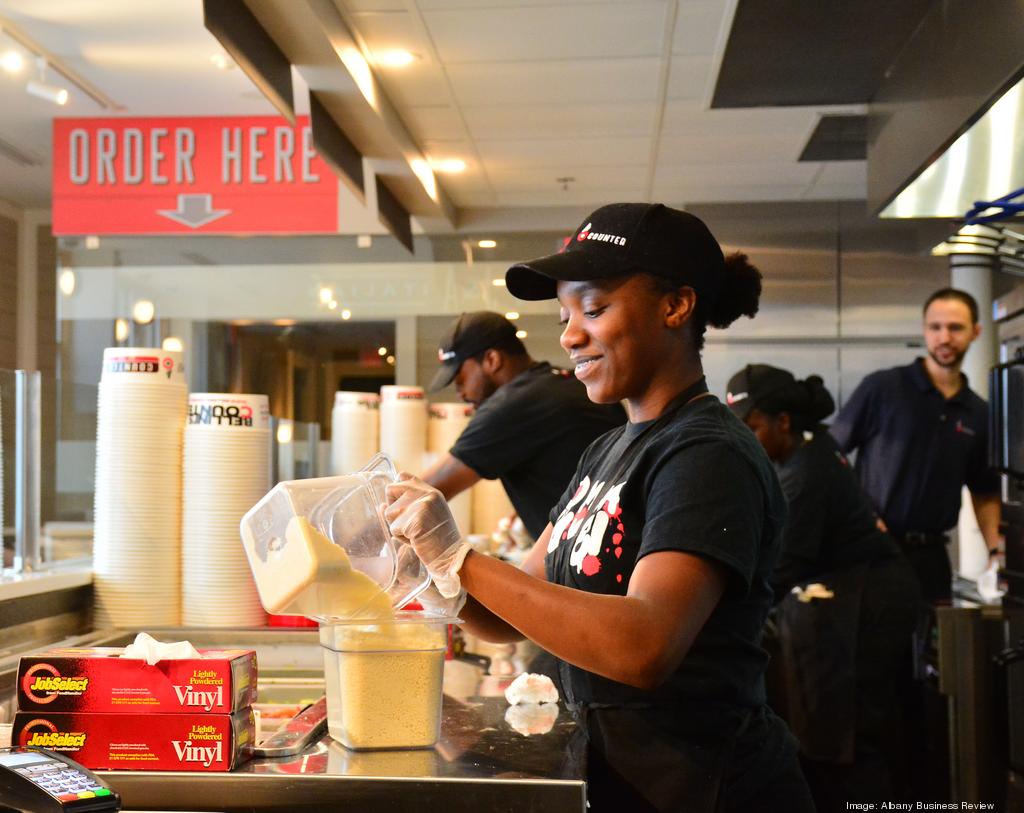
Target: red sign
232	175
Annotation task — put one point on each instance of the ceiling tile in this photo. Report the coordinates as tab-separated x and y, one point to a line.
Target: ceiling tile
737	174
571	198
561	121
536	83
698	26
687	116
583	177
544	152
724	193
837	191
440	123
515	33
688	77
740	145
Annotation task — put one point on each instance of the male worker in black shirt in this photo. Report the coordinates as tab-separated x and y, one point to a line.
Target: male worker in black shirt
532	421
922	434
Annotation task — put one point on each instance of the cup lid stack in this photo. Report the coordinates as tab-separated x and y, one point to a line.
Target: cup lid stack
137	547
226	471
355	421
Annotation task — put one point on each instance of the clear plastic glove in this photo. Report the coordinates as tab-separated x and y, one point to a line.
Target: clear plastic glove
419	514
433	602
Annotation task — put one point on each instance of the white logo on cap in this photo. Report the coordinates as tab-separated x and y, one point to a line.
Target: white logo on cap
734	397
444	356
600	237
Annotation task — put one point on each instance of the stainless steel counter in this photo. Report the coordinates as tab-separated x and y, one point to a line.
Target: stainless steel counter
480	764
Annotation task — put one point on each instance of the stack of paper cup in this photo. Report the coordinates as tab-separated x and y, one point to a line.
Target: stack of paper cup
227	471
137	538
403	426
445	422
355	422
490	504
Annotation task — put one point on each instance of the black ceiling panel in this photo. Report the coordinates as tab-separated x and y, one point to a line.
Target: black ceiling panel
838	138
811	52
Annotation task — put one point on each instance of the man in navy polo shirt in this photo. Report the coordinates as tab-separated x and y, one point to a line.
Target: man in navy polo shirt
921	434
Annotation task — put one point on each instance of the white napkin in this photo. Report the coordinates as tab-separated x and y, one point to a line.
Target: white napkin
146	648
988	584
531	688
532	718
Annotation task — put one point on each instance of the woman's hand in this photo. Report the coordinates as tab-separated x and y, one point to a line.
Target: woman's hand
419	514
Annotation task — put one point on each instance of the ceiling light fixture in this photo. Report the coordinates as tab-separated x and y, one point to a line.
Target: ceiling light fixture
92	241
57	65
346	314
382	351
498	282
143	311
222	62
449	165
391	360
44	90
396	58
173	343
521	334
120	329
12	62
326	295
67	282
512	315
333	304
488	244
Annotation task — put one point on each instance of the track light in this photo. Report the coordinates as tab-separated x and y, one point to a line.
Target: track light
51	93
43	90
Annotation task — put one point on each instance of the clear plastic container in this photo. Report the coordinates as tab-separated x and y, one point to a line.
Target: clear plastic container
297	578
384	680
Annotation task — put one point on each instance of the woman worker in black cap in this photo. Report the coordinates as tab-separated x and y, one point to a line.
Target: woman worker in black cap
842	640
650	584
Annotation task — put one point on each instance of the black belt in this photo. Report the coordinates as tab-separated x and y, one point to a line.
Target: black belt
921	539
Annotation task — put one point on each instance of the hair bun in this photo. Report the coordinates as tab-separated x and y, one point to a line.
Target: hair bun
740	292
819	401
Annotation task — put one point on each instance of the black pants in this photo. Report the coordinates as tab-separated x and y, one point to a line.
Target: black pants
931	565
635	765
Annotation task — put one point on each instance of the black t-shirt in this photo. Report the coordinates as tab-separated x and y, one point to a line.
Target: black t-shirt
695	480
916	448
530	433
830	524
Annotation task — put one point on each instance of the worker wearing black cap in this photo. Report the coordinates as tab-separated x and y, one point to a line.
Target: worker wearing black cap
847	597
532	422
650	583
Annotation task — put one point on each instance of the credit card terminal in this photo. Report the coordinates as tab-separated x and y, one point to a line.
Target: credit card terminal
34	780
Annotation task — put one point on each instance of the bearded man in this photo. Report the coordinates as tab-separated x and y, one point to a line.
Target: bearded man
921	434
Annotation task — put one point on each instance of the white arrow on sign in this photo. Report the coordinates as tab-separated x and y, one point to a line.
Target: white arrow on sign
194	211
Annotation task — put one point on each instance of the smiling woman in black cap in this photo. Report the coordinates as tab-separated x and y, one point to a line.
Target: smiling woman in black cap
650	584
843	641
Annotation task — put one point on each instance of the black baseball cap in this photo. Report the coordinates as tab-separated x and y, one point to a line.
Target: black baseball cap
628	238
468	336
755	386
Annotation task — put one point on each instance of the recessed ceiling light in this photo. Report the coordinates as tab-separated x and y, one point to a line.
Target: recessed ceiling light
448	165
143	311
173	343
120	329
512	315
326	295
333	304
391	360
12	62
92	241
498	282
346	314
521	334
283	322
222	62
396	58
382	351
488	243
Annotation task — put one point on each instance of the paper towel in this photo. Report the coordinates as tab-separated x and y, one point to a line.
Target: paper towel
531	688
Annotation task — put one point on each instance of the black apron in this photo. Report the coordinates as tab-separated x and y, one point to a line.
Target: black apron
818	641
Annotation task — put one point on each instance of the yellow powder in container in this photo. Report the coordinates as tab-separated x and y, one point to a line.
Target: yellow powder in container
384	683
